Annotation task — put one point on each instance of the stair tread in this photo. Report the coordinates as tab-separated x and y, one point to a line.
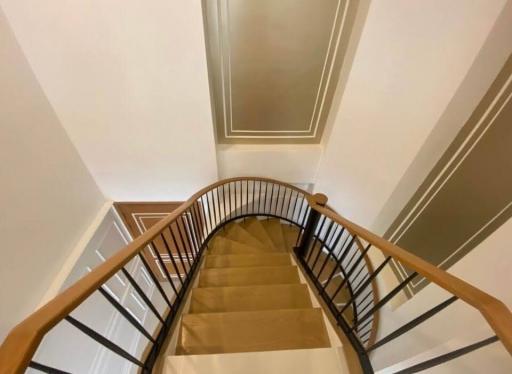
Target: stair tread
221	245
249	298
246	276
252	331
297	361
247	260
254	226
290	234
273	228
236	232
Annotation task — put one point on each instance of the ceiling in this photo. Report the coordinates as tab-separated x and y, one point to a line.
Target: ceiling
274	65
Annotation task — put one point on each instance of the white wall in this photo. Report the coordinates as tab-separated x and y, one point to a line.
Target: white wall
128	80
289	163
47	196
489	267
411	59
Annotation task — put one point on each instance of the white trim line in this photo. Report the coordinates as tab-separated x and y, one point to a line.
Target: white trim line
324	94
452	159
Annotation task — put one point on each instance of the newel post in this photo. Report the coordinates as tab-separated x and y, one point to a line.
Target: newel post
307	238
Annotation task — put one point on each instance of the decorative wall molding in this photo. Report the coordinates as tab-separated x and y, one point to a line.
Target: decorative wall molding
468	194
228	52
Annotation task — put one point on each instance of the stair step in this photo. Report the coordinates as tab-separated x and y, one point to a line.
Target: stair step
273	228
296	361
248	276
250	298
290	234
224	246
237	233
252	331
267	259
254	226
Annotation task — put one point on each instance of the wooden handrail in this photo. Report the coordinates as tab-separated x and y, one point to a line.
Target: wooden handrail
495	312
20	345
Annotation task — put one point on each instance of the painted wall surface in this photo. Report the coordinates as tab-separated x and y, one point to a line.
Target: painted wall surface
60	345
411	59
491	58
288	163
48	197
128	80
489	267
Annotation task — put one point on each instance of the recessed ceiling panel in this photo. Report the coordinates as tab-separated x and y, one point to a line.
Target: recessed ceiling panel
273	66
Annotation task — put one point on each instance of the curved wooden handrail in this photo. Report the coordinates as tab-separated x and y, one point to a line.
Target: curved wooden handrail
495	312
20	345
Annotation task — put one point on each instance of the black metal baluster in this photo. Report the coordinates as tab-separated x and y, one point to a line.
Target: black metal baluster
103	341
344	250
143	295
349	273
121	309
265	200
178	251
295	206
322	245
186	243
278	211
225	202
364	299
155	281
198	224
246	196
448	356
385	299
165	270
301	220
415	322
229	200
315	237
205	216
171	257
183	246
188	225
259	197
330	251
253	195
210	213
240	200
358	291
45	368
289	205
218	205
271	199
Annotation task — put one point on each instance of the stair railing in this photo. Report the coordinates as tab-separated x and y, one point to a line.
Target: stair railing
329	238
332	250
170	253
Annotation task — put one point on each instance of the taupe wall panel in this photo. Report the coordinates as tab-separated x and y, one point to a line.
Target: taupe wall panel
274	66
468	194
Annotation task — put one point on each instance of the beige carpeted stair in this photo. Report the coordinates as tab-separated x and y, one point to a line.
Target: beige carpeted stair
249	296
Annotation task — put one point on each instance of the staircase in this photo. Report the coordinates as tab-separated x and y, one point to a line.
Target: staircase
249	298
223	294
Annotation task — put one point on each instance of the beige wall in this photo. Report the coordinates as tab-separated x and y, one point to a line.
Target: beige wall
411	59
489	267
47	196
128	80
